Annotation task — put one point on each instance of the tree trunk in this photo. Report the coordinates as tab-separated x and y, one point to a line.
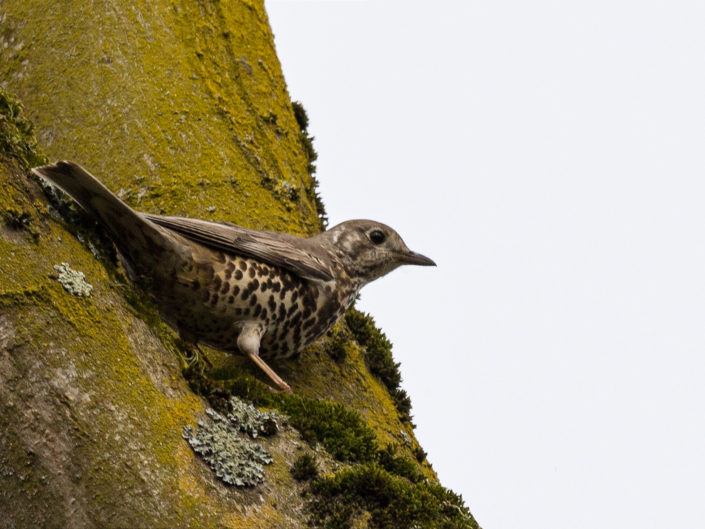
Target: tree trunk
180	107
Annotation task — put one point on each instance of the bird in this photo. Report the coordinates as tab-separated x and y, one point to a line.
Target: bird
263	294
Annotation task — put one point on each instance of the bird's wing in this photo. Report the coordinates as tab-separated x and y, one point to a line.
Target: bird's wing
279	249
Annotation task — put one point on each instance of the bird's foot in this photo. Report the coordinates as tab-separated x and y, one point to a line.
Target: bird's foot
281	389
195	357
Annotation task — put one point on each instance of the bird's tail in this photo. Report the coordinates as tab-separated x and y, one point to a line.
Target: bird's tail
130	231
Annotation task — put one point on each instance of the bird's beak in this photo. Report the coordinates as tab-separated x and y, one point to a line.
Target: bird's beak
414	258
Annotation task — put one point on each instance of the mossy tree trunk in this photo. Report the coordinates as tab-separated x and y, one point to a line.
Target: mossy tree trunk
179	106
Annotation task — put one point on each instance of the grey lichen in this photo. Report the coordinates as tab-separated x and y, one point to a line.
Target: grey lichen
235	459
73	281
250	420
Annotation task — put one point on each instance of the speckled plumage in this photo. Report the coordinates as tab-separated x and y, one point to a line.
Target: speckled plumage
265	294
290	311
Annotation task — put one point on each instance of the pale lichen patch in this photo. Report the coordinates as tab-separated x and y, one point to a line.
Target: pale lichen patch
250	420
235	459
73	281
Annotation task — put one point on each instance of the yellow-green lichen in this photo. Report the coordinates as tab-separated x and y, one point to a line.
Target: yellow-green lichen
217	110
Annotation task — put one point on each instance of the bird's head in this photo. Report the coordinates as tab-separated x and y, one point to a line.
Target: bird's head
369	249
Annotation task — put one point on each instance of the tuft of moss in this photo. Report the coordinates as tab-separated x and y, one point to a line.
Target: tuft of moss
378	348
342	431
304	468
311	156
301	115
390	500
402	401
16	133
16	218
419	453
338	336
218	385
378	357
399	465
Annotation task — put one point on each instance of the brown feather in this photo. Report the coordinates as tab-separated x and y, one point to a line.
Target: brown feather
295	254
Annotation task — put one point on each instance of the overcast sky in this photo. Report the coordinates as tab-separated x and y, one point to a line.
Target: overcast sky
550	157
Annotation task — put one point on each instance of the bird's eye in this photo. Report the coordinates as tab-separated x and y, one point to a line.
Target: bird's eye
377	237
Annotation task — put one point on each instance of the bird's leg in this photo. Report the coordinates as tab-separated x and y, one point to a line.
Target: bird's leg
248	343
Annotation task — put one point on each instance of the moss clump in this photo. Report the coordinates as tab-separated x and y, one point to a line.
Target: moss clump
218	385
16	218
378	354
399	465
311	156
402	401
342	431
304	468
391	502
18	152
16	133
419	453
338	337
378	357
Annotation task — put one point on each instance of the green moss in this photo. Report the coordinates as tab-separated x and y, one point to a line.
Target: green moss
378	354
304	468
419	453
17	133
311	155
391	502
219	385
378	357
399	465
16	218
342	431
18	151
337	339
301	115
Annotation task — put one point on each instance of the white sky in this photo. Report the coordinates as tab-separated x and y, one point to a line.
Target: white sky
550	157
